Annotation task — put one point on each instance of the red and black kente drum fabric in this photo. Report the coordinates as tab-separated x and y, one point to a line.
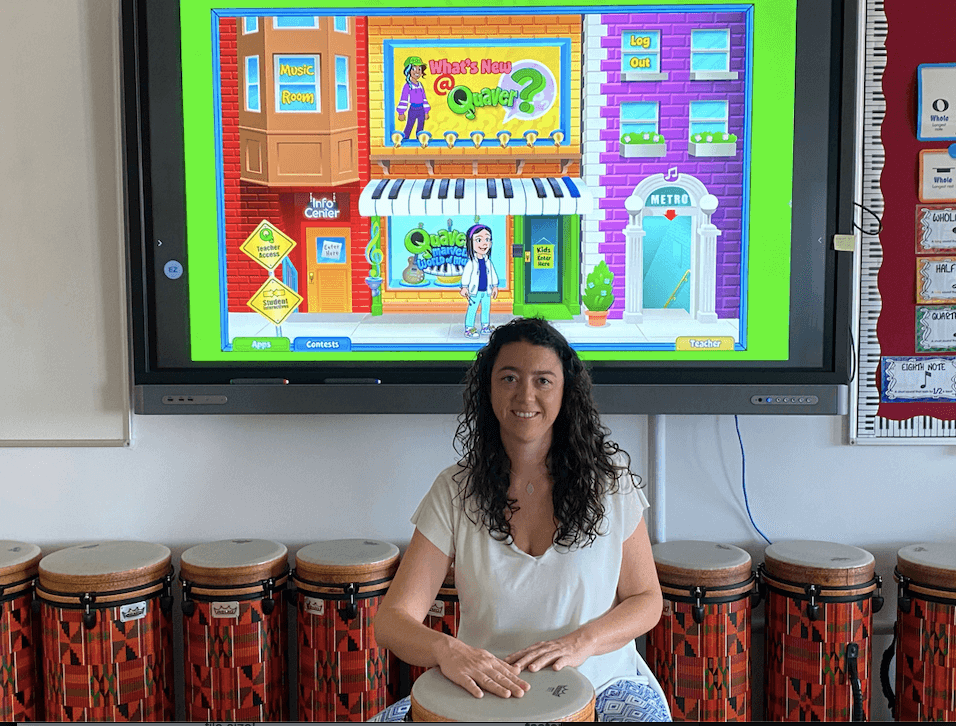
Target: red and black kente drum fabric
20	693
926	633
343	674
235	630
443	616
700	648
821	597
107	632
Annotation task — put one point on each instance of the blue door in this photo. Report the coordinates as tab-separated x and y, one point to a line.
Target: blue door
667	262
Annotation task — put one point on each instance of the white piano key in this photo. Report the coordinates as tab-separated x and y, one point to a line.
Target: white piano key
483	203
416	205
551	205
500	205
401	202
533	203
469	205
519	203
366	204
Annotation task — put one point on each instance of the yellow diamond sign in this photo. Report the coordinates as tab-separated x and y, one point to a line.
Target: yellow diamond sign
275	300
267	245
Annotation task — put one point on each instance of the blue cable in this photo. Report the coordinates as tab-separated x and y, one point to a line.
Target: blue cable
743	478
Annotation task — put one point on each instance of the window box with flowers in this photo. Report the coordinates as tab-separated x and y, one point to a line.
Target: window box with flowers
712	144
645	145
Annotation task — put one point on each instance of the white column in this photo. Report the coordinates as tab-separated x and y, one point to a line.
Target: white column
706	276
634	261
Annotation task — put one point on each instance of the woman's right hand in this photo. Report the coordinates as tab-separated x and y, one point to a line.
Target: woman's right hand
478	671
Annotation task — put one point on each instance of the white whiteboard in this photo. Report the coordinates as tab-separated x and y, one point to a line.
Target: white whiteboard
63	344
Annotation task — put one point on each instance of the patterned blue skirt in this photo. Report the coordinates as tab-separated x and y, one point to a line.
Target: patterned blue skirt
623	700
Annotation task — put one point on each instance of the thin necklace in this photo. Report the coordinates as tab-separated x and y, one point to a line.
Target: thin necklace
529	488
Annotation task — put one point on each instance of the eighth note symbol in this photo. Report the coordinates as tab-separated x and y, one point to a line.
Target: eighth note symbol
671	174
925	378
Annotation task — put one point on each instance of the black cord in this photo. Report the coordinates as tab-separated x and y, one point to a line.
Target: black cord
879	221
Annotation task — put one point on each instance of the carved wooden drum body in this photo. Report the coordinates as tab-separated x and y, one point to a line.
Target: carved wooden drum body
926	633
700	649
563	695
343	673
235	630
107	632
20	633
821	597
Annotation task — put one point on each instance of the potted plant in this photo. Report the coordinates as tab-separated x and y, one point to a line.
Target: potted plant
642	145
712	144
598	297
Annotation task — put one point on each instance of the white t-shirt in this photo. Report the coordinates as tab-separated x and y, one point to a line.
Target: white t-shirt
510	600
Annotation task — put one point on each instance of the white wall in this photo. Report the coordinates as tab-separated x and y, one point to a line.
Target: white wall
186	480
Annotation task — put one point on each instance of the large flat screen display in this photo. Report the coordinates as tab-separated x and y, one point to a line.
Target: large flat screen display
331	207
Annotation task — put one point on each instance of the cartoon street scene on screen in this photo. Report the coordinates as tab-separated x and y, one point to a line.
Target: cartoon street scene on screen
409	182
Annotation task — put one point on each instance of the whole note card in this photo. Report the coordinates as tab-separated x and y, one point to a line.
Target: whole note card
935	229
918	379
935	329
936	279
937	174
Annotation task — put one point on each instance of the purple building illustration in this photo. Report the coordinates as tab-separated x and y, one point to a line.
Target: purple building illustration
666	137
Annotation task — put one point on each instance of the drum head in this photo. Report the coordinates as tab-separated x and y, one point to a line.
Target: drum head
234	561
930	563
18	561
693	562
823	563
563	695
104	566
346	560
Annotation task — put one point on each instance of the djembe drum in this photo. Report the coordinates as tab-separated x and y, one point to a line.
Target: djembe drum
821	597
925	633
20	633
107	632
235	630
343	673
443	616
700	648
563	695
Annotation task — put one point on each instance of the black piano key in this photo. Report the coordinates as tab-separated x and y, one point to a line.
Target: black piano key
555	187
396	188
427	191
459	189
506	185
539	188
377	194
492	189
572	187
443	189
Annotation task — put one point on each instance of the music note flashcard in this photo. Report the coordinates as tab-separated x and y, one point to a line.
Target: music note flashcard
936	280
935	229
936	116
911	379
935	329
937	175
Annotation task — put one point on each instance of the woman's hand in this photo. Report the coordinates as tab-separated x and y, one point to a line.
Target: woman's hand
478	671
569	650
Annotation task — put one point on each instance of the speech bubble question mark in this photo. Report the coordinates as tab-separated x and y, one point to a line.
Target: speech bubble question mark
533	82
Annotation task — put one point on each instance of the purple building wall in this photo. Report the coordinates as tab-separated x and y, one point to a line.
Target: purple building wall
723	176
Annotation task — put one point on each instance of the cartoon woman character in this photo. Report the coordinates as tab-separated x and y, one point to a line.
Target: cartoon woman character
479	281
413	97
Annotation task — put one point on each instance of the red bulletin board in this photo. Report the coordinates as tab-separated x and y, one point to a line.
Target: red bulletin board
918	31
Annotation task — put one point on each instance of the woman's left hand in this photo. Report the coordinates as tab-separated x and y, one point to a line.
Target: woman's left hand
568	650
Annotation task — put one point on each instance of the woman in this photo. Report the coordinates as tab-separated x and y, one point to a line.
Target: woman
479	281
553	564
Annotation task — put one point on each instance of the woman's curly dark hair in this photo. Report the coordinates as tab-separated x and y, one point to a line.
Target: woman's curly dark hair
580	460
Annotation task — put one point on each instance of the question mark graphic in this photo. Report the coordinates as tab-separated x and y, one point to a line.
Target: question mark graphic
533	82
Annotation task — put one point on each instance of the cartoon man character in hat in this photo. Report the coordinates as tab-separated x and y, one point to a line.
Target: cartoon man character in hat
413	97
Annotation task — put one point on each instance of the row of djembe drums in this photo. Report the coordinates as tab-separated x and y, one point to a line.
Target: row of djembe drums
86	632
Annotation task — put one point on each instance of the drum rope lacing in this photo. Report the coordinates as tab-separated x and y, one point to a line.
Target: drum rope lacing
269	586
87	600
350	591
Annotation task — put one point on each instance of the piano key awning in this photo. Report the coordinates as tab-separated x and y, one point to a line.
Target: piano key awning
444	197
